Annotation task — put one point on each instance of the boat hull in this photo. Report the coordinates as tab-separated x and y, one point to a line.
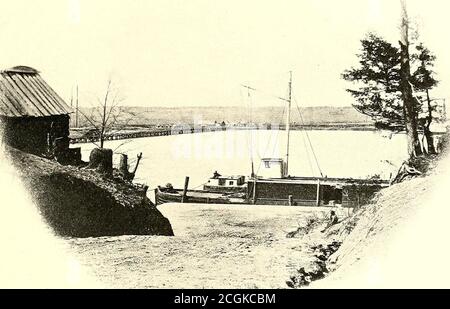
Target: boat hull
195	196
299	191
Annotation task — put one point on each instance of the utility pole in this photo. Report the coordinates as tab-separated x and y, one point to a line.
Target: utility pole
71	97
288	123
76	111
71	104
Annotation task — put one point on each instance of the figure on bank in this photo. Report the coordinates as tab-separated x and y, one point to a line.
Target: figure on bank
331	221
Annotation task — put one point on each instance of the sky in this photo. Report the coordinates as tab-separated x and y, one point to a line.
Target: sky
199	52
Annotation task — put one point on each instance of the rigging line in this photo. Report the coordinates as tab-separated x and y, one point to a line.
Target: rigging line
242	104
265	93
268	143
307	153
307	136
251	123
193	188
275	145
278	131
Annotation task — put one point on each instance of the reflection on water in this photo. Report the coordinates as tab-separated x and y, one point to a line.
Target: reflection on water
339	154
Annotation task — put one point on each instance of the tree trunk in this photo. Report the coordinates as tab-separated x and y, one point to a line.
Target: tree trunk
123	167
409	103
426	128
101	159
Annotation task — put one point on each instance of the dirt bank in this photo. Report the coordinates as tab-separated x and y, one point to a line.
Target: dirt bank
215	246
81	203
387	243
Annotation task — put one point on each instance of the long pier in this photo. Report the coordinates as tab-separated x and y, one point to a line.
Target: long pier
90	136
128	134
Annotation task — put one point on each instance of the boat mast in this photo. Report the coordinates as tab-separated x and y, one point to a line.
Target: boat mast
288	123
251	123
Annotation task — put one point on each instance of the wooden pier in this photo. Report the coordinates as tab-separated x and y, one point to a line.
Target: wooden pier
120	135
91	136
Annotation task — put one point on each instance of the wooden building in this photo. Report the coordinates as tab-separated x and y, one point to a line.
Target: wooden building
33	116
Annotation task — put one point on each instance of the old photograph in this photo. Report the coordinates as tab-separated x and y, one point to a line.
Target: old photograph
169	144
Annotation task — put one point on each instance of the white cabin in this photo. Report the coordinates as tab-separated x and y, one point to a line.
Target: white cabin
272	168
226	181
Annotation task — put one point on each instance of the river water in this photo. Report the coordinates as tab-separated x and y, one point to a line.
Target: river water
339	153
228	246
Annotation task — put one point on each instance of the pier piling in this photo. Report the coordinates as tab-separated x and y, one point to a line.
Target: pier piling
186	183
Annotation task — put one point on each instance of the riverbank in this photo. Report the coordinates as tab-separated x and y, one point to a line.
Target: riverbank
247	246
215	246
219	246
240	246
80	202
396	241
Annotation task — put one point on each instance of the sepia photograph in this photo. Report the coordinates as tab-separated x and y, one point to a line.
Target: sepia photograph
208	144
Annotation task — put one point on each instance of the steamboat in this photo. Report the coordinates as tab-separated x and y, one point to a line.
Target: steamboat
273	185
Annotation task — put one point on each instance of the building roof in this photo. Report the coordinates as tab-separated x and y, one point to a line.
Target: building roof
23	93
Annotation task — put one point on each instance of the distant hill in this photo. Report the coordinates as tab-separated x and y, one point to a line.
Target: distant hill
321	115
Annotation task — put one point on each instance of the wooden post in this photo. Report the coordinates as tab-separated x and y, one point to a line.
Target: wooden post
291	200
139	157
186	183
318	193
76	111
254	191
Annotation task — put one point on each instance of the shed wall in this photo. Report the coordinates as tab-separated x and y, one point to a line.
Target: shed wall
33	134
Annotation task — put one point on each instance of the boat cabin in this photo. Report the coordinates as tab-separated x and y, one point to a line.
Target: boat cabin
272	168
219	183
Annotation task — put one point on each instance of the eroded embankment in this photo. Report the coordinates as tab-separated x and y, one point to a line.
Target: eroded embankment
81	203
369	237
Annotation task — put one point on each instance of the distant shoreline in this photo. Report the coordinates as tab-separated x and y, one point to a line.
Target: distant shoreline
84	135
336	126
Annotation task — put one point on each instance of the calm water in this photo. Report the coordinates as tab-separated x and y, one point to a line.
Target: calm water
168	159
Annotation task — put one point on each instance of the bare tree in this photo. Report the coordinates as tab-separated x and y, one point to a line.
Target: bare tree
108	114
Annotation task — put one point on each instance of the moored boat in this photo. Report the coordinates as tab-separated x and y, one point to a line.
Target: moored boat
274	186
166	195
291	191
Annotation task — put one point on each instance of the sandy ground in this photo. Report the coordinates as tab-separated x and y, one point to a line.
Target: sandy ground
401	240
216	246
